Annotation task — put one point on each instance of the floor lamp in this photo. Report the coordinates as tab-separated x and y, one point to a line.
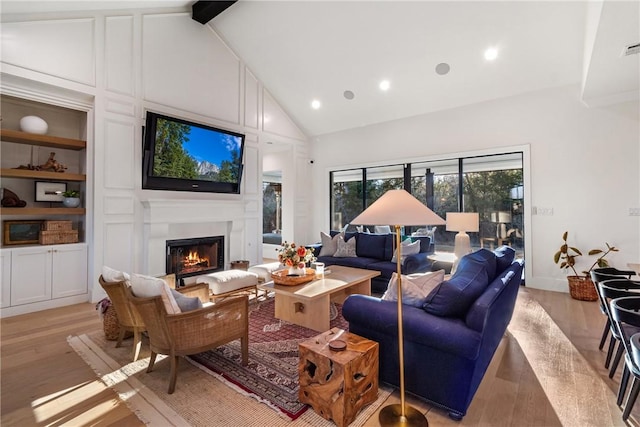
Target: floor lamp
462	222
399	208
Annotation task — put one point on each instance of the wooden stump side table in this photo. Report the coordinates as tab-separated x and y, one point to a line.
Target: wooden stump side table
337	384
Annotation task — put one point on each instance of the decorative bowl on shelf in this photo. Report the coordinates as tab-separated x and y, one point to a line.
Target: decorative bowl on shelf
33	124
282	277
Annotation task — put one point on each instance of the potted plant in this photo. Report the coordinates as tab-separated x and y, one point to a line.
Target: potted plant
71	198
580	285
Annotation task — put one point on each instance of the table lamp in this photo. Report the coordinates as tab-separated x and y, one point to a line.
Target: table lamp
462	222
399	208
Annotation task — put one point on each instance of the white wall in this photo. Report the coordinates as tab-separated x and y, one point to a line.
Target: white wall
584	163
165	62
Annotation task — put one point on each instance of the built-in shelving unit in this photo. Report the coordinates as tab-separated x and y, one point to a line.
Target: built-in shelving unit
42	211
42	140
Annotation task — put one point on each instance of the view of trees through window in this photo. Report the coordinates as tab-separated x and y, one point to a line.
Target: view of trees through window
491	186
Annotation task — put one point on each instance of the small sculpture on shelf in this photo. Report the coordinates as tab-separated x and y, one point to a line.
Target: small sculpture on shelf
51	165
11	199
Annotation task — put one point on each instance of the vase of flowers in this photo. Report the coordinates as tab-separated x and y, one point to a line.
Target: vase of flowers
295	258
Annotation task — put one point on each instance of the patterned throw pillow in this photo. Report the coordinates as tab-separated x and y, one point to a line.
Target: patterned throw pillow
415	287
346	249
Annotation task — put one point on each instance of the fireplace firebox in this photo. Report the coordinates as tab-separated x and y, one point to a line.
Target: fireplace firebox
194	257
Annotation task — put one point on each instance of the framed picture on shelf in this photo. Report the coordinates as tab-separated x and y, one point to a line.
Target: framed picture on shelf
50	191
21	232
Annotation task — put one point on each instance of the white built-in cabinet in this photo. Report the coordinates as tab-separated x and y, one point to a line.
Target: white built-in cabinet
5	278
47	272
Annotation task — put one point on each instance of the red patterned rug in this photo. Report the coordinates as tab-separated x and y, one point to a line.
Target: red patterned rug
272	372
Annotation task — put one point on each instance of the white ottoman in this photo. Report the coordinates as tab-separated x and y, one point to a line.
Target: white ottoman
264	270
226	283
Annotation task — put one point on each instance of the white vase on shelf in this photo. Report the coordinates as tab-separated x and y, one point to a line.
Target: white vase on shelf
33	124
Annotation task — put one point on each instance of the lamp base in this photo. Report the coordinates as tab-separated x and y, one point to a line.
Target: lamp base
391	416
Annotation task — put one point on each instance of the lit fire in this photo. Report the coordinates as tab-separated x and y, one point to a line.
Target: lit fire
193	260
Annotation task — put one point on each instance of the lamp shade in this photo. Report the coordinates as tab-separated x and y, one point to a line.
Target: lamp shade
398	207
463	221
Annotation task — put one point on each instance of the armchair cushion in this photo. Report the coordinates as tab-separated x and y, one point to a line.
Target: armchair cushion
147	287
111	275
453	297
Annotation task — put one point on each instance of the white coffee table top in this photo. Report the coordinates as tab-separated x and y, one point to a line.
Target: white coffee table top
339	278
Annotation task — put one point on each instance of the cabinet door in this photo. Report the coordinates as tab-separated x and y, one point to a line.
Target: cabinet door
5	278
69	270
30	275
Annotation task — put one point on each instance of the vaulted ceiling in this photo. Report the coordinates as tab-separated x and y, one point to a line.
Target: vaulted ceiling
316	50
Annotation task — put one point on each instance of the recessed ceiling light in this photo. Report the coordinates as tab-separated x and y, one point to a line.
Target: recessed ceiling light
349	94
491	54
315	104
442	68
385	85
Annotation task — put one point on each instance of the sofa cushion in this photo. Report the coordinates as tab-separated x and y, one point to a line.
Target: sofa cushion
355	262
453	297
371	245
504	257
329	244
488	258
346	249
415	287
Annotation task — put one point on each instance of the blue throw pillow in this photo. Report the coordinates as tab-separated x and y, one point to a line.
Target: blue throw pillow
371	245
504	258
186	303
453	297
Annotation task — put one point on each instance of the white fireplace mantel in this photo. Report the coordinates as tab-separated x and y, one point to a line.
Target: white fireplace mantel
168	219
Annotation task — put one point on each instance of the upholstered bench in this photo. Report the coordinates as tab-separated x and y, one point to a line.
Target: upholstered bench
264	270
230	282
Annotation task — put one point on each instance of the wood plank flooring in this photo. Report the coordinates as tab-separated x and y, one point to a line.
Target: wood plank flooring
44	382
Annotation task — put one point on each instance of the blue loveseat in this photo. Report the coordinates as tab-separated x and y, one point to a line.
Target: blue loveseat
450	340
374	252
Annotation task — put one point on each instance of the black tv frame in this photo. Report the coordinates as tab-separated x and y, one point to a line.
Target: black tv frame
152	182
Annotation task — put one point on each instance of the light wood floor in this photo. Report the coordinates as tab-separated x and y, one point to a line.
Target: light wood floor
44	382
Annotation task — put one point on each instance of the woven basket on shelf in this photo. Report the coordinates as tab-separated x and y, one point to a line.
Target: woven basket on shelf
110	324
582	288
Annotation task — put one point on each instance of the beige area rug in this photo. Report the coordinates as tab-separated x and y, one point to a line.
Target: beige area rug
578	396
200	399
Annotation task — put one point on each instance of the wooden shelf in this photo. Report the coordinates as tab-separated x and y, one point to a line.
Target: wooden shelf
33	174
42	211
42	140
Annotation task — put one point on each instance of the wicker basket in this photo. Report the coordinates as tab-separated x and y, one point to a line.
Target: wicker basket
57	225
110	324
58	237
582	288
282	277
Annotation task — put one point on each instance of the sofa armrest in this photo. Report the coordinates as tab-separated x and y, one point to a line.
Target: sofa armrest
446	334
417	263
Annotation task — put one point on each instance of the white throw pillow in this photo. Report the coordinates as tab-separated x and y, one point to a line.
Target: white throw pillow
415	287
382	229
148	287
346	249
329	244
111	275
408	248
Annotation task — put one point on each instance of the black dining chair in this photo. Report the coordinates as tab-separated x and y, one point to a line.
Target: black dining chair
597	276
612	289
626	318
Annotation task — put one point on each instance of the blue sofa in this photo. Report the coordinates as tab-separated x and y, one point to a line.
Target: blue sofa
374	252
450	340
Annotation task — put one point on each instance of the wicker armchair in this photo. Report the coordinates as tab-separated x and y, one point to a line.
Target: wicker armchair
128	318
192	332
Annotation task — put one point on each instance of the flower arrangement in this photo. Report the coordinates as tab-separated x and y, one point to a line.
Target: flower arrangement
294	256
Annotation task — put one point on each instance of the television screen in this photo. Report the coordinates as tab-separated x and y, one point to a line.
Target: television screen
185	156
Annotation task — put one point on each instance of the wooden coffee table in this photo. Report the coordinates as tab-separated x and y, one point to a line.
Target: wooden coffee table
308	305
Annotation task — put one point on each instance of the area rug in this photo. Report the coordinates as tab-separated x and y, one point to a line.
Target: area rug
272	371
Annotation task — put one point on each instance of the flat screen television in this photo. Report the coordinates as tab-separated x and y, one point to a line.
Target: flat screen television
183	156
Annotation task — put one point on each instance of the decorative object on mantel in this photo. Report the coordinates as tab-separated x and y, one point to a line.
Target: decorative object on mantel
11	199
580	286
71	198
33	124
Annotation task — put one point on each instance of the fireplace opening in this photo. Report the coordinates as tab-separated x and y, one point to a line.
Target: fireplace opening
195	257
